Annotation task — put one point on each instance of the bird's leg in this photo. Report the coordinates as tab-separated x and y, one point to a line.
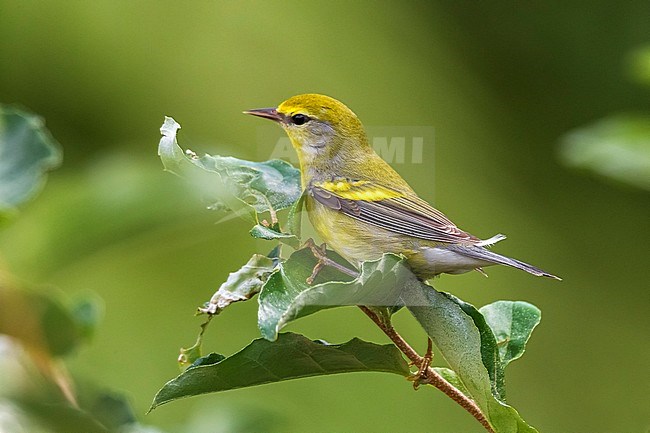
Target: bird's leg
420	376
320	252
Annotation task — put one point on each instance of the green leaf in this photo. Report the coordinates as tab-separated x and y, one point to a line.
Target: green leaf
40	321
113	411
60	417
457	336
46	330
27	152
286	296
87	313
294	220
247	188
616	148
98	411
292	356
489	348
242	284
512	323
270	233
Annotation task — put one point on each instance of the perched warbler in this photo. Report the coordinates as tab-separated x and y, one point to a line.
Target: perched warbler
363	208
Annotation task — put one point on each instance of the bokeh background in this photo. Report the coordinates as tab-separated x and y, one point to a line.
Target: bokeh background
501	84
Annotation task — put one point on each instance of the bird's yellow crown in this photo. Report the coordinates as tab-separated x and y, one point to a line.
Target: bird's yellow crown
323	108
326	134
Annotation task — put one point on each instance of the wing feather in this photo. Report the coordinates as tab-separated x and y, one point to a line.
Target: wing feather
389	209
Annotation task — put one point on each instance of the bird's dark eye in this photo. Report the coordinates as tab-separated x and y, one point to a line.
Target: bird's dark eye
299	119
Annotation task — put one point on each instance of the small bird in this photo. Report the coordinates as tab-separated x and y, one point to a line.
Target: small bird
361	207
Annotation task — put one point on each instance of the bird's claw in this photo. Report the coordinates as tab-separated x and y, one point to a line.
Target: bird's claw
420	376
320	252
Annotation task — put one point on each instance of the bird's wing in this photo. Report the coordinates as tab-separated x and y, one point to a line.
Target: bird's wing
389	209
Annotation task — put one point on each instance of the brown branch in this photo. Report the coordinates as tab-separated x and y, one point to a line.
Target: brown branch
397	339
431	376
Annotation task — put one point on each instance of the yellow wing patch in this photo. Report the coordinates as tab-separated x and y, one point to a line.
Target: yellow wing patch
388	209
359	190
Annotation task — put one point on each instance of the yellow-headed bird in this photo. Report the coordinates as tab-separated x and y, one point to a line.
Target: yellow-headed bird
361	207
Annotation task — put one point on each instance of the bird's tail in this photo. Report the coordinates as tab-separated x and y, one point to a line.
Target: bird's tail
481	253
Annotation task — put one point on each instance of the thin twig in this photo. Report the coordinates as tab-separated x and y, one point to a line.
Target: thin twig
431	376
391	333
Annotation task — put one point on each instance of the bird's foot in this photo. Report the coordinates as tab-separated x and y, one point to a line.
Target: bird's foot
420	376
320	253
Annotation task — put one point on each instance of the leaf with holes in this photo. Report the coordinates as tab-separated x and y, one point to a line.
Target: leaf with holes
242	284
244	187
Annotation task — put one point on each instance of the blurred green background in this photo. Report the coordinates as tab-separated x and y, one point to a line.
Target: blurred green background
501	85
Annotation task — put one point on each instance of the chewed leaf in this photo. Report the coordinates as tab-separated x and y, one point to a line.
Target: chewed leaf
512	323
189	355
286	296
292	356
273	184
247	188
27	152
270	233
242	284
170	153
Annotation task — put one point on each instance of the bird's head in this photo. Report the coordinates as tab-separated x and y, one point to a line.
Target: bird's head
322	130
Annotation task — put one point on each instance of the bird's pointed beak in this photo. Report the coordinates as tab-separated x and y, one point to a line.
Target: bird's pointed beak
267	113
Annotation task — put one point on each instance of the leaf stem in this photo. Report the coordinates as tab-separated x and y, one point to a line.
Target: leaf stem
431	376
